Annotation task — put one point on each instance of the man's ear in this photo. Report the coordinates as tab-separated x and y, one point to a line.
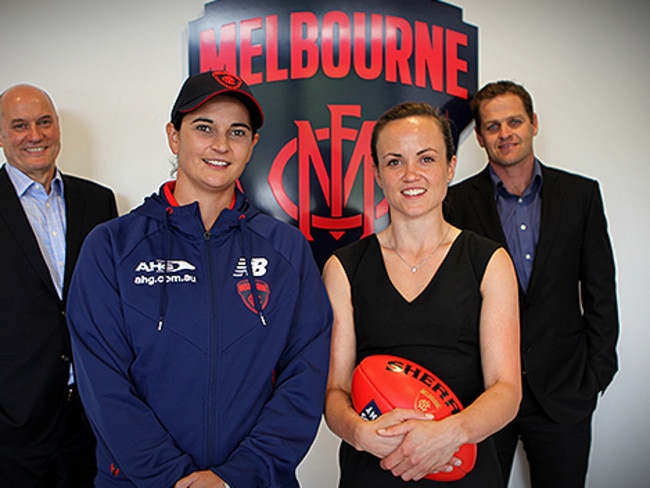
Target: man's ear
479	137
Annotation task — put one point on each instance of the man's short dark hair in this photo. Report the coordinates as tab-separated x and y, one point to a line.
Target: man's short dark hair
498	88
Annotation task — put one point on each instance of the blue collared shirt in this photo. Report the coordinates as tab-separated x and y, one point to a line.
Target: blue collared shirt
520	219
46	214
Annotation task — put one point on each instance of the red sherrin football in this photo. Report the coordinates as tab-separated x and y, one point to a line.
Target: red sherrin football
381	383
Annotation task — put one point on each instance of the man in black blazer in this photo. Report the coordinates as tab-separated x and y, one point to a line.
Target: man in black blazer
553	224
45	439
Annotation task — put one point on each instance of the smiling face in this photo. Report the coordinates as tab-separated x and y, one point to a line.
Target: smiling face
506	132
213	145
29	132
413	168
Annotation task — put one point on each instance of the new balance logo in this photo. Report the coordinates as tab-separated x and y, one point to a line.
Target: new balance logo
258	267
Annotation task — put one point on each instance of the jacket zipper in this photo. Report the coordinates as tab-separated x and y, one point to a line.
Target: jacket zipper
212	385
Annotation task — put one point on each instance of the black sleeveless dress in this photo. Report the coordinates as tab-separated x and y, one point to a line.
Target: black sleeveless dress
439	329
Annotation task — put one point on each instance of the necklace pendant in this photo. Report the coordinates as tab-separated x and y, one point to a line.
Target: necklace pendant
414	269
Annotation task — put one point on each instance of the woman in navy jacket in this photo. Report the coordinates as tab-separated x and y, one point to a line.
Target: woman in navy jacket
201	326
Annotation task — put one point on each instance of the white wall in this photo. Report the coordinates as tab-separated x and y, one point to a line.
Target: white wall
114	67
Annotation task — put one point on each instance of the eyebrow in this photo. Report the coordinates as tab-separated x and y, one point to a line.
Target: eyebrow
509	117
43	117
210	121
241	124
420	152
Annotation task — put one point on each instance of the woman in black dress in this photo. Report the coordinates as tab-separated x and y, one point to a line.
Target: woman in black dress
427	291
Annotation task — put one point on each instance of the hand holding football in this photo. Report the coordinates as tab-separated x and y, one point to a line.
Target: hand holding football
381	383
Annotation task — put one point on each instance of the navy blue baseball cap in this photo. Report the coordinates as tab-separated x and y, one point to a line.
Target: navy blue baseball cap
202	87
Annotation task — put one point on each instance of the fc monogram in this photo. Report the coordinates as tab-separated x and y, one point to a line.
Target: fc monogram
336	183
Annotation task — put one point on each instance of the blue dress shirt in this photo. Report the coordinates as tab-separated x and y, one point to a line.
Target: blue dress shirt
520	219
46	215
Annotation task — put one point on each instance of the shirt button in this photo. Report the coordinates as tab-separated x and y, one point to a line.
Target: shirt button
520	200
528	257
523	226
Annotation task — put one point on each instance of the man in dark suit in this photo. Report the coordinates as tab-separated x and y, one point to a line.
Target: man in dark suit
553	224
45	439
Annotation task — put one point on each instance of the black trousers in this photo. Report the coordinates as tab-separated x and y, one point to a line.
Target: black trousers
66	462
558	455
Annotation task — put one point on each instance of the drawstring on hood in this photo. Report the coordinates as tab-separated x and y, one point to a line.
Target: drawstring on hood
237	216
249	272
166	246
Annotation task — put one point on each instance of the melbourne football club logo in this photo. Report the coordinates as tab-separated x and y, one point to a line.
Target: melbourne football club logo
227	80
323	72
245	292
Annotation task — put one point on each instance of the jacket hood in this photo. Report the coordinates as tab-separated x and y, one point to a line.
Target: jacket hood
184	221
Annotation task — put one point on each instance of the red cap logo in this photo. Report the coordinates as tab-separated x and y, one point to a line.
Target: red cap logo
226	79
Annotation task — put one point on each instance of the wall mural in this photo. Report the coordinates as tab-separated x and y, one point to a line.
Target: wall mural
324	71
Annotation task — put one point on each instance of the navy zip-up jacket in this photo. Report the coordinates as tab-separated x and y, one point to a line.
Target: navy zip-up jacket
180	366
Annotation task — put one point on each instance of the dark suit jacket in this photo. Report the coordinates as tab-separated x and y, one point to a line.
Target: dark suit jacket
569	316
34	343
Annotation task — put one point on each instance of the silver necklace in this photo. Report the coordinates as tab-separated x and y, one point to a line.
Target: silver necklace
415	267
